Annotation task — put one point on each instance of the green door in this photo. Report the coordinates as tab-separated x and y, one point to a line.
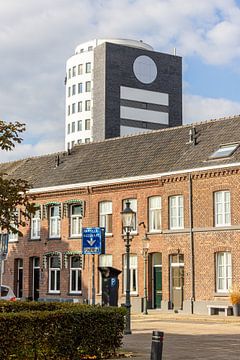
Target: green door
157	277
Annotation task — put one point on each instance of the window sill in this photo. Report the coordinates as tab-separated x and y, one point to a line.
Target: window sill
75	237
54	293
75	293
222	295
34	239
108	234
13	241
154	232
54	238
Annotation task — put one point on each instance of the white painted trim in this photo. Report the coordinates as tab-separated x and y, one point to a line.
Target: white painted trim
128	179
145	96
145	115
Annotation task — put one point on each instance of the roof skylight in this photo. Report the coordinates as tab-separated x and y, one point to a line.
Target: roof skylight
224	151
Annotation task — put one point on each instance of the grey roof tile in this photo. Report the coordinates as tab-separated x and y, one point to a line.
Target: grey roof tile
143	154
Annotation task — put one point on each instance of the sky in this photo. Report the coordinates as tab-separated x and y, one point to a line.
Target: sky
37	37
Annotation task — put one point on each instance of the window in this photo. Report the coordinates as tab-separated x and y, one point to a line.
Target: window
223	271
87	105
88	67
80	106
155	206
19	282
69	73
54	221
224	151
176	212
73	109
79	125
72	144
133	206
87	124
87	140
73	89
76	220
80	88
69	110
35	224
74	71
68	128
79	141
88	86
80	69
54	274
90	48
105	216
75	275
222	208
14	236
69	91
73	127
133	273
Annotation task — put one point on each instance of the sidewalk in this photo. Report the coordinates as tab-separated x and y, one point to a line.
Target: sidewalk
185	336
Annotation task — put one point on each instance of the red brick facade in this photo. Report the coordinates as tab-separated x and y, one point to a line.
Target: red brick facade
207	240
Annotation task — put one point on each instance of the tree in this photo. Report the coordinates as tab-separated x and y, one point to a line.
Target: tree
13	192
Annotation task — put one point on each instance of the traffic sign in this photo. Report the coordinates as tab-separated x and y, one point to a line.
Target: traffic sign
93	240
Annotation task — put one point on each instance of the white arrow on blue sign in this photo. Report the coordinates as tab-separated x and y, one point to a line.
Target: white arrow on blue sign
93	240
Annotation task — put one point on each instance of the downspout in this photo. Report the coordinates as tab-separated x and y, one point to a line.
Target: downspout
191	245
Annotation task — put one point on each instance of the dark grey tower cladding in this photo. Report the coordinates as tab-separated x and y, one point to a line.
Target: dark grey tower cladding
134	89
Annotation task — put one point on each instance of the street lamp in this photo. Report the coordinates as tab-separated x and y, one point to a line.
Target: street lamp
145	248
128	217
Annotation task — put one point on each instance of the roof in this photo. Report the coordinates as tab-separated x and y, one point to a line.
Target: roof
138	155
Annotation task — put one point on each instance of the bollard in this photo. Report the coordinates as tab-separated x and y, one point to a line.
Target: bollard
157	345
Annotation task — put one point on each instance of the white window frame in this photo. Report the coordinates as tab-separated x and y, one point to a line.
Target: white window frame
75	218
87	124
36	224
13	237
223	271
133	206
105	216
133	267
155	213
176	212
222	208
87	105
77	270
88	68
80	69
88	86
80	88
54	271
54	223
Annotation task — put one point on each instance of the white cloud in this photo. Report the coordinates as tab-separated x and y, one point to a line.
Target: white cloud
37	38
198	108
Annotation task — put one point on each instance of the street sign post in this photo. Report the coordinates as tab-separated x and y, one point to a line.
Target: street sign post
93	242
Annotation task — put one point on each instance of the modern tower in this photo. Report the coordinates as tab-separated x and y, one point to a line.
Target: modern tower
118	87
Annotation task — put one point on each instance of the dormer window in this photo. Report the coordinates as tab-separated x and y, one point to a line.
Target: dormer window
224	151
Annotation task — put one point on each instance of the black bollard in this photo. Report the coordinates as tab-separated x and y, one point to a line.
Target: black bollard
157	345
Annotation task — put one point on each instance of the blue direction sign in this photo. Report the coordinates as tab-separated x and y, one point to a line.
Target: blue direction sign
93	241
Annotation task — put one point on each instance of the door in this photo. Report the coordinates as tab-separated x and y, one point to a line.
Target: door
36	278
157	276
177	281
157	280
19	278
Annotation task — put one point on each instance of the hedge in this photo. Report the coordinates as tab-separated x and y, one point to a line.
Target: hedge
63	332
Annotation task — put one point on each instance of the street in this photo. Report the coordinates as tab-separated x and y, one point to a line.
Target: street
185	337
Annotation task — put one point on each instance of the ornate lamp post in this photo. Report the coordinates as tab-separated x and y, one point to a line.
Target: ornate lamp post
128	216
145	248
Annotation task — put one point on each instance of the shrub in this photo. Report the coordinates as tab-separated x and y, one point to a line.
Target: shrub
59	331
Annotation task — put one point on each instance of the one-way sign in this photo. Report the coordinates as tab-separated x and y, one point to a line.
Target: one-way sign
93	240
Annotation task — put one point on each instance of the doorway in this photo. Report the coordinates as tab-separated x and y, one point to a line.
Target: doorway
36	278
177	281
157	280
19	278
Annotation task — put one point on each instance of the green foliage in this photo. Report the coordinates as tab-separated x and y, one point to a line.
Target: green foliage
13	192
9	134
59	331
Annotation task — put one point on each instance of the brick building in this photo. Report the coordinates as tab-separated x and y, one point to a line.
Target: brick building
183	183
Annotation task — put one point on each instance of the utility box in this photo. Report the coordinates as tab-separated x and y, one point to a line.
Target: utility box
110	285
